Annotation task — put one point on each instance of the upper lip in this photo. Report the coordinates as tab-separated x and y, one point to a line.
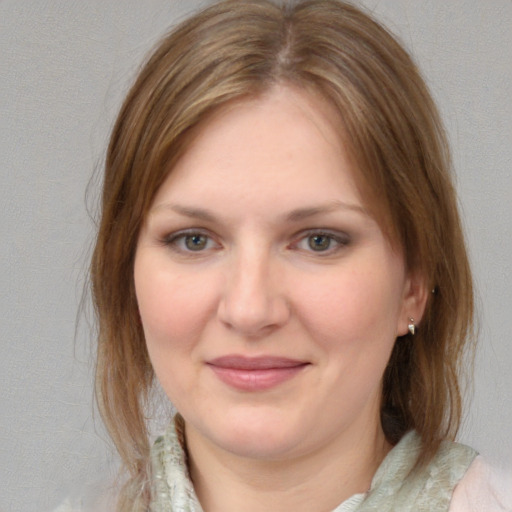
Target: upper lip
237	362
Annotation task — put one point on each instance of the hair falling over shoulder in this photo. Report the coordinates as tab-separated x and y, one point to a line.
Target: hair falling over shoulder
234	49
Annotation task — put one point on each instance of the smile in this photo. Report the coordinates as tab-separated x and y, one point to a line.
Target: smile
255	374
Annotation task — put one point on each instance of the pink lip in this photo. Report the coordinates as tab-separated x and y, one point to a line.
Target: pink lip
255	373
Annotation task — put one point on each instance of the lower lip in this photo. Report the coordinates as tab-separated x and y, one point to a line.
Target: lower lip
256	380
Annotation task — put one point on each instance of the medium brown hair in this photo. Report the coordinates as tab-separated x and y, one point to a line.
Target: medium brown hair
235	49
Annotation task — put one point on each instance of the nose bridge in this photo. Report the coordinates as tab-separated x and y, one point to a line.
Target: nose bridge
253	300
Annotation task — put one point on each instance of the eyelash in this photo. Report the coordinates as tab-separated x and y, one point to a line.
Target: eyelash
173	240
340	240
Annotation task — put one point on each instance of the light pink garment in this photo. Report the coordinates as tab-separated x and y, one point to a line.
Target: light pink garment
483	489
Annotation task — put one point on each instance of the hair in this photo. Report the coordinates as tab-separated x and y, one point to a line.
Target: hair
235	49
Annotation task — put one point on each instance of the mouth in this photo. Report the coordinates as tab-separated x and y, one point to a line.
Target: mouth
255	373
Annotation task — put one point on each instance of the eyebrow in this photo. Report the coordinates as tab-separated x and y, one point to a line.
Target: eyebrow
296	215
187	211
308	212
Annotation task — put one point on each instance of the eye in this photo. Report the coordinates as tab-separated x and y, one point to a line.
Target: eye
319	242
322	242
190	241
195	242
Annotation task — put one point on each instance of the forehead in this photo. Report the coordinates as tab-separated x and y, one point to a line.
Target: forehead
248	145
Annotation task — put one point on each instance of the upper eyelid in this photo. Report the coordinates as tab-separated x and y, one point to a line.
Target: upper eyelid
333	233
187	232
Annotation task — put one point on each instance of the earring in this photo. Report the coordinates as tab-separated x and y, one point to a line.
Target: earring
411	326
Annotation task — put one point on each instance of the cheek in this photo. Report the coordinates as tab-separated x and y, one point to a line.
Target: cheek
173	306
352	318
352	308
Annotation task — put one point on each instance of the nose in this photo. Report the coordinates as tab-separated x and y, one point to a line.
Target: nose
253	302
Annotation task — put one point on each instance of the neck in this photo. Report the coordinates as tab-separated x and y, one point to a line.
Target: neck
318	480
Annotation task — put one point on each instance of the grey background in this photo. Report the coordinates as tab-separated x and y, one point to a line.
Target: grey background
64	68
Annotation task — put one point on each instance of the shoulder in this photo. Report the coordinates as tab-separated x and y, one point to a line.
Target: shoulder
483	488
68	506
98	501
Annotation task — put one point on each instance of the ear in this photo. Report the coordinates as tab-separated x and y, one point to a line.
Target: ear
414	301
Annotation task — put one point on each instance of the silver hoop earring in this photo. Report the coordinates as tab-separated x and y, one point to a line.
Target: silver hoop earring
412	326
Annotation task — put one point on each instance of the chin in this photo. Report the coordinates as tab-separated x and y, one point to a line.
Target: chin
260	445
256	436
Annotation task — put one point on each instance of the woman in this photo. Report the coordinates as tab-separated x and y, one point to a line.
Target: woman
280	247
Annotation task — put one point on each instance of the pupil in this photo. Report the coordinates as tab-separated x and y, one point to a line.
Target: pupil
195	242
319	242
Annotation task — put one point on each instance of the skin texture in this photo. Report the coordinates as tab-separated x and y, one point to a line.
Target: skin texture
279	258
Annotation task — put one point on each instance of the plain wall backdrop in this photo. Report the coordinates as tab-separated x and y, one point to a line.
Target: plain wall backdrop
64	68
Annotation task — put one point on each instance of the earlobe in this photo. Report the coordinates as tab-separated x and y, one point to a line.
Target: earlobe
413	305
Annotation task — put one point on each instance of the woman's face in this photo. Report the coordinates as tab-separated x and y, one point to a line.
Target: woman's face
270	299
